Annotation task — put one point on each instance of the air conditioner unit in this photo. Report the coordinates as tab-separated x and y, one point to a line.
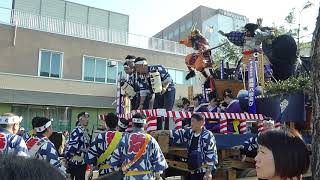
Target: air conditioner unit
112	63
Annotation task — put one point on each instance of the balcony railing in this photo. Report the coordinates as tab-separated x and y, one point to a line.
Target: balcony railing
86	31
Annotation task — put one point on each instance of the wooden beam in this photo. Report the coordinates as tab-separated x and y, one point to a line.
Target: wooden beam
178	165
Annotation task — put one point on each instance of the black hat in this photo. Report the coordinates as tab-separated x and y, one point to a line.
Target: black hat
83	114
251	27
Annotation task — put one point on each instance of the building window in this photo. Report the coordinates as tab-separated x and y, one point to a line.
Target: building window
100	70
182	28
112	72
178	76
120	68
187	82
89	66
172	73
61	116
189	24
176	32
170	35
50	64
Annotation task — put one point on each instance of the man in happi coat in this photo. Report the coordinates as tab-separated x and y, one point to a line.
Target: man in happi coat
202	150
201	145
103	145
40	147
78	145
165	98
10	143
152	162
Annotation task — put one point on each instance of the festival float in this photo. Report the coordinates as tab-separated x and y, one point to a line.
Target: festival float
264	82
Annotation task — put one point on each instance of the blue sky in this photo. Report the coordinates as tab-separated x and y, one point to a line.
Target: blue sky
147	17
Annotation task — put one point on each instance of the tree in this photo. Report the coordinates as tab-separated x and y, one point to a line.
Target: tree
293	20
315	162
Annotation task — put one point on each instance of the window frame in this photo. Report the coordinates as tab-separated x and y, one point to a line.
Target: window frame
117	70
174	78
40	62
106	69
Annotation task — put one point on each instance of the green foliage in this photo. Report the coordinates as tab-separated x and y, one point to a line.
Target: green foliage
304	45
291	85
307	5
291	18
293	25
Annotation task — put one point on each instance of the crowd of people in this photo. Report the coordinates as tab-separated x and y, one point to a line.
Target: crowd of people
119	154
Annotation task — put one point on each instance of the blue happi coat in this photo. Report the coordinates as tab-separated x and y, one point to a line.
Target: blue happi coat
98	146
152	160
28	135
46	152
206	146
233	107
144	80
77	146
12	144
164	74
201	108
133	81
250	147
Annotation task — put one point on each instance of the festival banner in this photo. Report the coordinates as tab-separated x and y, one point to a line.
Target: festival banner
252	86
119	98
222	69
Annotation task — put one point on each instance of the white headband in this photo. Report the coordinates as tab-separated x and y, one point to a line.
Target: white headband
10	119
130	60
268	121
120	124
139	120
44	127
144	62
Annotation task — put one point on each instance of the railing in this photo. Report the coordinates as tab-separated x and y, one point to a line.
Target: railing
86	31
